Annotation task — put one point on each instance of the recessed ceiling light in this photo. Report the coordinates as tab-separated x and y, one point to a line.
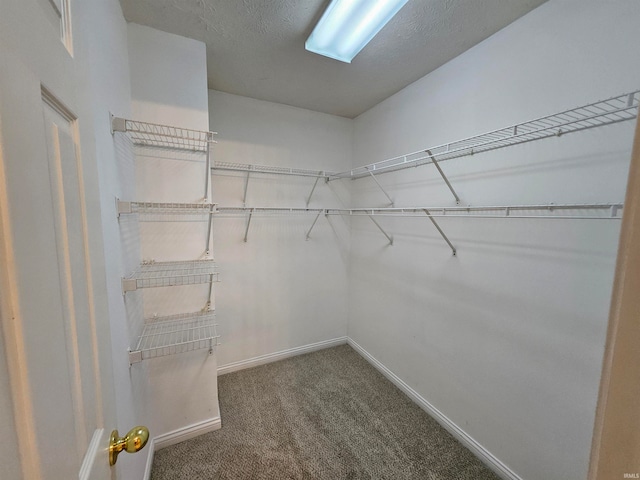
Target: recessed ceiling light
348	25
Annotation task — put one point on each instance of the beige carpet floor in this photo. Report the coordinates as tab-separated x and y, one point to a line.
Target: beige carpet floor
327	415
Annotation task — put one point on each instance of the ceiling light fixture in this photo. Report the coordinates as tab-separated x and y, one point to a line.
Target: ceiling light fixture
348	25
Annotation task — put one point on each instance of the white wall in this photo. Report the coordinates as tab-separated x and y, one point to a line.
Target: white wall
168	86
279	291
506	339
168	78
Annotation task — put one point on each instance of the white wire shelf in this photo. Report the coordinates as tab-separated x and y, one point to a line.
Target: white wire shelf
171	274
164	136
596	211
175	334
266	211
605	112
250	168
567	211
150	211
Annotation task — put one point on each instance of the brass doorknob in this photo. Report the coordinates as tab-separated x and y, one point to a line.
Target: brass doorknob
132	442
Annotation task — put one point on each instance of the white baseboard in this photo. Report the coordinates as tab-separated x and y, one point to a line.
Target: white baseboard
186	433
482	453
177	436
281	355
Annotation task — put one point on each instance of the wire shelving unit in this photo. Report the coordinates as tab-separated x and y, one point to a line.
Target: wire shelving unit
168	137
171	212
171	274
152	212
249	212
248	169
169	335
267	211
163	136
598	114
175	334
251	168
620	108
596	211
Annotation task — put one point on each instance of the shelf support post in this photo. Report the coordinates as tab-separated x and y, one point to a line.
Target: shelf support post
380	187
314	222
207	307
209	228
207	178
444	177
315	184
446	239
389	237
246	231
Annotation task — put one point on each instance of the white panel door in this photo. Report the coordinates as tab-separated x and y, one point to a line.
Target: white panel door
52	299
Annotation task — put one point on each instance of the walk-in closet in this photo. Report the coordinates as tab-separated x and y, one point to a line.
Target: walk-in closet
236	245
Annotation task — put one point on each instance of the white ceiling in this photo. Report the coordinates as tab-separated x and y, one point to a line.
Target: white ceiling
255	48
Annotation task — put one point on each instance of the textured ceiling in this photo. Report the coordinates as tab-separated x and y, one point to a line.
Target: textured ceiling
255	48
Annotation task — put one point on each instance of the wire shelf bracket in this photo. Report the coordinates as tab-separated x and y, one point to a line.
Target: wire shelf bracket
313	189
391	203
314	224
446	239
246	189
444	177
249	212
389	237
250	169
246	230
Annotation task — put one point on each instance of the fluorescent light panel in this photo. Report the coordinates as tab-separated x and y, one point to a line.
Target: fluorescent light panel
348	25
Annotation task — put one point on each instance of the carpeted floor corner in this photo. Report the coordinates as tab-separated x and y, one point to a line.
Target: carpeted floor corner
327	415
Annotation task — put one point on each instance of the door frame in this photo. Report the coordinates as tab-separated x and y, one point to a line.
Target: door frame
615	449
